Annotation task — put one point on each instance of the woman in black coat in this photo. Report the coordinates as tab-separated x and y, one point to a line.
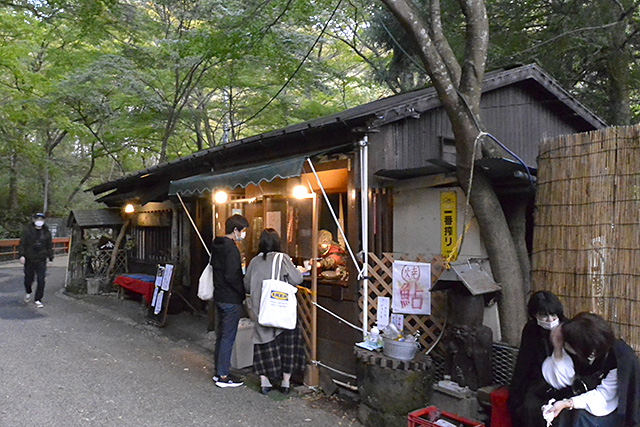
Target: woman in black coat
526	392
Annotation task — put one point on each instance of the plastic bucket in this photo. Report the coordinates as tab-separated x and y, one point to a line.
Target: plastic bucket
401	350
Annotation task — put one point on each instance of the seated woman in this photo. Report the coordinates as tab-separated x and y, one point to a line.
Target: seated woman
527	390
277	353
603	373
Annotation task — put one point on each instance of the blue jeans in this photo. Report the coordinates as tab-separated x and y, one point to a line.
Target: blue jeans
228	317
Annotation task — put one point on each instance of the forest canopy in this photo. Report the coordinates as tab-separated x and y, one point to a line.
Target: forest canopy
93	90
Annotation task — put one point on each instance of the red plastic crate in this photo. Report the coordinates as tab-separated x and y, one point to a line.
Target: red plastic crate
419	418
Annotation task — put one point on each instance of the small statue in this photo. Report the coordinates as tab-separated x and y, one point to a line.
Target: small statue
468	360
333	262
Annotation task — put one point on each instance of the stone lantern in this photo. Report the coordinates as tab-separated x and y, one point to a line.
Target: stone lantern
467	341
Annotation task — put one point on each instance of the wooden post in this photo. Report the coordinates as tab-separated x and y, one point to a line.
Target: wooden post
211	305
116	247
311	375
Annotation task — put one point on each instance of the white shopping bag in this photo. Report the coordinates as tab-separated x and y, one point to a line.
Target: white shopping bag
205	284
278	305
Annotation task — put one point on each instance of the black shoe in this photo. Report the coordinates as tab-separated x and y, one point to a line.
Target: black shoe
285	390
228	381
265	390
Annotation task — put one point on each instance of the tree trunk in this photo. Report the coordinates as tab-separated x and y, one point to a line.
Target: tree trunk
45	187
497	238
459	88
617	67
13	181
116	247
516	213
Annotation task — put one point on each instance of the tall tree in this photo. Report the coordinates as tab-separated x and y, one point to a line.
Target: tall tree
589	46
458	84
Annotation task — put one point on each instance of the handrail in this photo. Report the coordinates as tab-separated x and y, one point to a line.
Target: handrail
9	247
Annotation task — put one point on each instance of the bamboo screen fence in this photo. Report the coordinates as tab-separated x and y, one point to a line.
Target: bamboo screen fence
380	285
586	245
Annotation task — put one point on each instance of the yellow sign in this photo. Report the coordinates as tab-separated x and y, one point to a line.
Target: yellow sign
448	227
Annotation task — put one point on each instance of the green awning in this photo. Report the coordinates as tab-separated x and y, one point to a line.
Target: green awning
242	177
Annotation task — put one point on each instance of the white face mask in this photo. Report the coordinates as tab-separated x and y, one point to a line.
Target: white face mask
39	223
241	236
548	325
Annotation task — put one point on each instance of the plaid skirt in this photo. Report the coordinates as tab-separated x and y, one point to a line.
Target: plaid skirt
283	354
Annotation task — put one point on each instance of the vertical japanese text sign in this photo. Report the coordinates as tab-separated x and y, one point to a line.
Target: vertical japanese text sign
411	284
448	227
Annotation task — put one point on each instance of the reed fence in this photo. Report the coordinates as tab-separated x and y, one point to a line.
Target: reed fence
586	246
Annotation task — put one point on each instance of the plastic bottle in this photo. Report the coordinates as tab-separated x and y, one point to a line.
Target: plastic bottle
374	334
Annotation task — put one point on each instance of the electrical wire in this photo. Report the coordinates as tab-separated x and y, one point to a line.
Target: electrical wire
286	83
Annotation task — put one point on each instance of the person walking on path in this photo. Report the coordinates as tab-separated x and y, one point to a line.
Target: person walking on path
228	295
277	353
34	248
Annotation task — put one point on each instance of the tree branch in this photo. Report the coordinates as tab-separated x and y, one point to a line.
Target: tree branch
409	17
442	44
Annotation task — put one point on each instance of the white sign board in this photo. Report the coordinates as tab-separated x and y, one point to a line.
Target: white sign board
382	312
411	284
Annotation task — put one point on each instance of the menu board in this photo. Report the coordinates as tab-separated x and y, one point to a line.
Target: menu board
157	313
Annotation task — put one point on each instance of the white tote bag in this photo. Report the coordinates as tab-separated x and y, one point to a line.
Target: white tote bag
205	284
278	305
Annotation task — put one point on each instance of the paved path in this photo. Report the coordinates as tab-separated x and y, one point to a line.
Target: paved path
72	363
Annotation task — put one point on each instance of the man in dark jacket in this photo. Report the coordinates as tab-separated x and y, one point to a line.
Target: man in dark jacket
35	247
228	294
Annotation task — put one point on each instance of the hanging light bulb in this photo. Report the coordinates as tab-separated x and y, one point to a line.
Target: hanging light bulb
300	192
220	197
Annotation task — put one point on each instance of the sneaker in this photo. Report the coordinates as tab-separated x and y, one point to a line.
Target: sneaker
215	378
228	381
39	304
27	297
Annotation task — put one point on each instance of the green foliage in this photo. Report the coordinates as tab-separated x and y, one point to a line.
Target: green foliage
590	47
93	90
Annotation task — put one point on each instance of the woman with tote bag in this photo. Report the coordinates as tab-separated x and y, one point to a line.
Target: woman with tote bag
277	353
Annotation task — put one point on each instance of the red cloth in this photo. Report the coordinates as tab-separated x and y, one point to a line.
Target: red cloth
137	286
499	412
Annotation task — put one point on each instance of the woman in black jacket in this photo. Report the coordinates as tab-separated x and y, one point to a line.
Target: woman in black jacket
526	392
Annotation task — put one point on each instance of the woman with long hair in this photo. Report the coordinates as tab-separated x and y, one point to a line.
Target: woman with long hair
277	353
527	391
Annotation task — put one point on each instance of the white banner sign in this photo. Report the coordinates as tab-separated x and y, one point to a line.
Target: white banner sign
411	283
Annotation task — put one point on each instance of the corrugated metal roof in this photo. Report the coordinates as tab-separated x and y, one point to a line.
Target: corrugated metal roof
94	218
357	119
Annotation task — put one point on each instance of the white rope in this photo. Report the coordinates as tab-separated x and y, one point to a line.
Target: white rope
194	225
337	317
361	271
444	326
319	363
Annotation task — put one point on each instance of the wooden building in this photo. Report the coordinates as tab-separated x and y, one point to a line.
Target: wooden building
410	162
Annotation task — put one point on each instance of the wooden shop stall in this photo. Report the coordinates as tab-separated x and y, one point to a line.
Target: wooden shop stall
310	202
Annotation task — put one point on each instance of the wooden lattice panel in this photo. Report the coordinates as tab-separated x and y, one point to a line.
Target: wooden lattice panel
100	262
380	285
305	313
